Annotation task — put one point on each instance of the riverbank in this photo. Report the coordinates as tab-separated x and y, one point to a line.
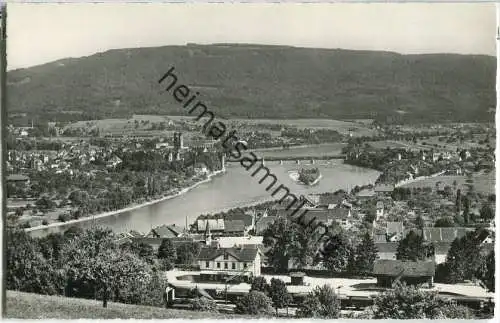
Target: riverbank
127	209
419	178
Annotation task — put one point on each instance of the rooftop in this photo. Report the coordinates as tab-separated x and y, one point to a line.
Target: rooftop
384	188
246	253
234	225
388	267
17	177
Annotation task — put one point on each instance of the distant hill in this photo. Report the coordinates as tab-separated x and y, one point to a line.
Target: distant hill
258	81
34	306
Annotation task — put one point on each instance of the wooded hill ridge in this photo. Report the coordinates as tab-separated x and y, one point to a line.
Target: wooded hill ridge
262	81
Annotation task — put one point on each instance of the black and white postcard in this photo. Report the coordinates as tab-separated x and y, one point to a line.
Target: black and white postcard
241	161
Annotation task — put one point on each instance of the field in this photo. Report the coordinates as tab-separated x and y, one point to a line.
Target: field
33	306
358	128
393	144
466	144
484	183
122	126
128	127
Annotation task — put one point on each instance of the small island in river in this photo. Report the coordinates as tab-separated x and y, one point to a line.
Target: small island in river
309	176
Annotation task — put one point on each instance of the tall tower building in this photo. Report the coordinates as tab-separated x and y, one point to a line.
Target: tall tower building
181	140
178	141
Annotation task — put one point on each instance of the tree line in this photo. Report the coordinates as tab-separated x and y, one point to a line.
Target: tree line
91	264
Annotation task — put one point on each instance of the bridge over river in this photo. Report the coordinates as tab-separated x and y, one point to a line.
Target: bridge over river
297	159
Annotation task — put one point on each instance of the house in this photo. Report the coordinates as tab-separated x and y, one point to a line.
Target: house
216	223
234	227
248	219
245	259
388	272
379	237
341	216
163	145
331	200
384	190
200	168
394	231
165	231
365	194
233	242
441	251
485	236
127	237
156	242
379	210
386	250
263	223
444	234
113	162
18	180
314	198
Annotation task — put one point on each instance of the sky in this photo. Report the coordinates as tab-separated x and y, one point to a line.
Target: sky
41	33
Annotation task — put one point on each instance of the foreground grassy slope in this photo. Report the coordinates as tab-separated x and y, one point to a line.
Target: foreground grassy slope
33	306
257	81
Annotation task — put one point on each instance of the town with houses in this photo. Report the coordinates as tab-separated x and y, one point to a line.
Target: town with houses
404	227
337	165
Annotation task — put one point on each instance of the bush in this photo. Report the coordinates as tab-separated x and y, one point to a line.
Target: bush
203	304
409	302
442	273
454	311
45	222
260	284
254	303
165	264
63	217
322	302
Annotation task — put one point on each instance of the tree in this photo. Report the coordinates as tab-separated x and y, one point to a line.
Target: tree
254	303
365	255
142	249
281	239
19	212
279	294
87	264
187	252
412	248
487	213
167	253
419	222
486	272
444	222
260	284
410	302
337	253
96	267
79	198
321	302
463	258
370	216
26	268
465	213
305	249
45	203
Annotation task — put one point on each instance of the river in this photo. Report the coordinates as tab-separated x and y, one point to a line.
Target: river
235	188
